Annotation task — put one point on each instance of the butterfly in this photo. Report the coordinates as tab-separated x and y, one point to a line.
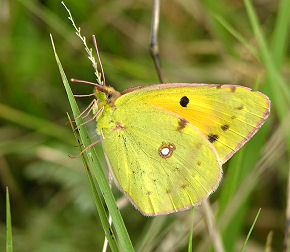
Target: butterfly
166	143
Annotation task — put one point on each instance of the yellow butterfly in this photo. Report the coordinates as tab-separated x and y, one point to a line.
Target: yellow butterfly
166	143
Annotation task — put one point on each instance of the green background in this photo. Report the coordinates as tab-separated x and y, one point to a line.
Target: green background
51	202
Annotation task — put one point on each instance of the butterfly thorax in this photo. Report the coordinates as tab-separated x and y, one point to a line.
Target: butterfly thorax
105	106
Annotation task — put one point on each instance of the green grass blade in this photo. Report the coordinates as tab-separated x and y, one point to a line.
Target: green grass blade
98	202
219	8
33	122
232	180
9	247
250	231
281	93
281	33
118	222
47	16
236	34
190	235
150	233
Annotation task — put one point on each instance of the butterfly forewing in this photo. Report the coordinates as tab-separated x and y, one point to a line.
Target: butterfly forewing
161	161
227	115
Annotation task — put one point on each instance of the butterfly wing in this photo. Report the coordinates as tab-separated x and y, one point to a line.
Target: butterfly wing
162	162
227	115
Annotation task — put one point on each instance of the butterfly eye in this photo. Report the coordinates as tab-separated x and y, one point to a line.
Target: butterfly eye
110	95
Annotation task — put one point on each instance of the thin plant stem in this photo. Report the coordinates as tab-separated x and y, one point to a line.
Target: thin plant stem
88	50
212	229
250	231
286	245
9	247
190	233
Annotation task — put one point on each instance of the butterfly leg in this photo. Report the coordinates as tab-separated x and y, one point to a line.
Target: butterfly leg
154	48
88	109
89	146
95	115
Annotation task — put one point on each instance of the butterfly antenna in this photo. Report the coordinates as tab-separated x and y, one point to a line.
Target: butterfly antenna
92	144
98	87
85	95
99	59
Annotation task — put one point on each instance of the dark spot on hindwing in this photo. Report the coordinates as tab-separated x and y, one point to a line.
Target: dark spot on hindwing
184	101
240	107
181	124
233	117
225	127
233	89
183	186
198	145
212	138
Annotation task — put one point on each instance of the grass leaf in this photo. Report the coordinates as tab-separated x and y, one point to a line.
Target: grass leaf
98	202
236	34
9	247
190	235
281	33
281	93
250	231
91	155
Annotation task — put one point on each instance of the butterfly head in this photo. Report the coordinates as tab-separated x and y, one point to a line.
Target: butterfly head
106	95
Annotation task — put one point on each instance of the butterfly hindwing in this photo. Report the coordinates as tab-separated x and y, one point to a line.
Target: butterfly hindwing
161	161
227	115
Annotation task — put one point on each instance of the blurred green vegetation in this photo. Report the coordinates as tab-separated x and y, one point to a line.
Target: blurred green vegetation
52	207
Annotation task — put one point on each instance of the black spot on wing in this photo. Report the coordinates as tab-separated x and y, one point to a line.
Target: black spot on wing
184	101
225	127
212	138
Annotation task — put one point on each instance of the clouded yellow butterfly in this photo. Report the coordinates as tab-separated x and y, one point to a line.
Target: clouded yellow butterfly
166	143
